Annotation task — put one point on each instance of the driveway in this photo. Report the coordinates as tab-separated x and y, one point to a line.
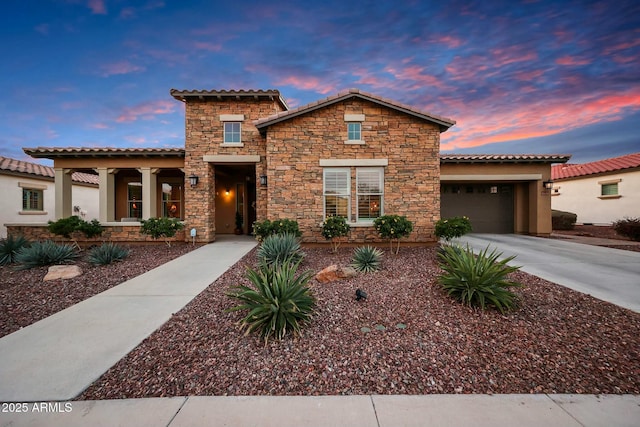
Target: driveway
608	274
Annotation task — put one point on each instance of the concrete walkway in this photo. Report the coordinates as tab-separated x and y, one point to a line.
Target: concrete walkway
527	410
608	274
58	357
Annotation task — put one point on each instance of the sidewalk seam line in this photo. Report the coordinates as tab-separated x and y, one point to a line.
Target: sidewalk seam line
564	410
178	411
373	404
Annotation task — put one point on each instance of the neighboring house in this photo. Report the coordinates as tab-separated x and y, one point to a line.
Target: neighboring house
599	192
28	195
353	154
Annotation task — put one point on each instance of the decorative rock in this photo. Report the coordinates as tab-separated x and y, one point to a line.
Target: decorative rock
333	273
62	272
365	330
381	327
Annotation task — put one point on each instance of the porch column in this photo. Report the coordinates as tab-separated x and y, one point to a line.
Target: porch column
149	193
106	190
62	181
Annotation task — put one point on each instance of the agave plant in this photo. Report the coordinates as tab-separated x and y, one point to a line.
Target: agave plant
279	301
277	248
107	253
10	247
45	253
366	259
478	280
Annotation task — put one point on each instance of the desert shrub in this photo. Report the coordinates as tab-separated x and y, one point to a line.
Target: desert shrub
477	280
628	227
45	253
279	301
366	259
278	248
450	228
563	220
333	228
263	229
107	253
393	227
10	247
161	227
66	226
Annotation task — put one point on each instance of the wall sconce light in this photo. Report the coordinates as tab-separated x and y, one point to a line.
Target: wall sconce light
193	180
548	185
226	191
263	180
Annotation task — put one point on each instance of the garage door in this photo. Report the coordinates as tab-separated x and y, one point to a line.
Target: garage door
488	206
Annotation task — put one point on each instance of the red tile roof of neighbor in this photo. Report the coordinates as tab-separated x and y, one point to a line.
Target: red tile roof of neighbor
20	167
615	164
504	158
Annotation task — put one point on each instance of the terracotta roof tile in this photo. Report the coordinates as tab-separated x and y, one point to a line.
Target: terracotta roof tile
27	168
181	95
51	152
504	158
559	172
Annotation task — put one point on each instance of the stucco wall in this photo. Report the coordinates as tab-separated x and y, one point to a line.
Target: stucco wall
582	197
11	195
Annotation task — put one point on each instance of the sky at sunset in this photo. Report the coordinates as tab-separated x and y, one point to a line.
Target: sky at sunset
518	76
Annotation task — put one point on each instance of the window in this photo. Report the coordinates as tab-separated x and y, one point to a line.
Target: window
32	199
609	189
134	199
232	133
337	190
369	189
354	131
171	200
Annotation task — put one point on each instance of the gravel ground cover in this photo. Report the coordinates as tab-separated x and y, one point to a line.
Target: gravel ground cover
25	298
407	337
603	232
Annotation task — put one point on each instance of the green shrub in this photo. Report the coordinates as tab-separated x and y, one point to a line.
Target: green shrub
334	227
477	280
263	229
278	248
107	253
279	301
563	220
366	259
450	228
628	227
66	226
393	227
10	247
45	253
161	227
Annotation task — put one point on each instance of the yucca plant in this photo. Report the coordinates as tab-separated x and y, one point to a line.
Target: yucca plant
478	280
107	253
278	248
366	259
10	247
279	301
45	253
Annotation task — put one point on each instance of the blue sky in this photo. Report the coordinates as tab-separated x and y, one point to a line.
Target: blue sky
517	76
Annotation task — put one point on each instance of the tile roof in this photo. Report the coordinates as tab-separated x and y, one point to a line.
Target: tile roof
182	95
444	122
504	158
53	152
20	167
615	164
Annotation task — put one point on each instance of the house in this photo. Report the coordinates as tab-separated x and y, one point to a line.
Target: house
28	195
352	154
599	192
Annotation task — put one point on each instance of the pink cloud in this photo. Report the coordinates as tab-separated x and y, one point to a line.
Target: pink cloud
210	47
306	83
571	60
146	111
527	76
417	75
100	126
449	41
510	55
97	7
122	67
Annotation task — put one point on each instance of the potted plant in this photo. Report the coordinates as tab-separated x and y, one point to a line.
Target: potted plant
238	229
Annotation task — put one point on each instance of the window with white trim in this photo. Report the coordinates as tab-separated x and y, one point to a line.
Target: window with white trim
32	199
232	132
369	193
337	192
354	131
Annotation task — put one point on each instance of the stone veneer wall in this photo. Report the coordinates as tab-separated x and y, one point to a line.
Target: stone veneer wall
204	134
111	233
411	180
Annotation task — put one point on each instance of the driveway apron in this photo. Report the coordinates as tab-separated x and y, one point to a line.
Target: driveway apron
608	274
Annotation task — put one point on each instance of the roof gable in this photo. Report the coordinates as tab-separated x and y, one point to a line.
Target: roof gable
614	164
443	122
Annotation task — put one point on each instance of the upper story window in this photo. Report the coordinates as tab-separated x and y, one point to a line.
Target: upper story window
32	199
232	132
354	128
